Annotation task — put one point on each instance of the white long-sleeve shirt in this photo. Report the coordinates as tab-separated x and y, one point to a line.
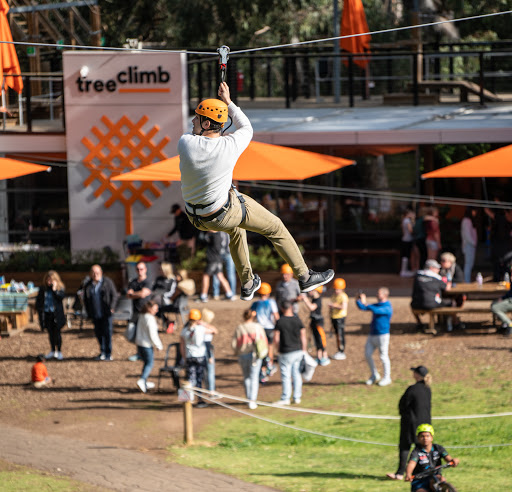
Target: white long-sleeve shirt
207	164
147	332
468	232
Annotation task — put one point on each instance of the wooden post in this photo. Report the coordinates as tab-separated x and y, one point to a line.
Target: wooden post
188	437
71	18
34	61
96	25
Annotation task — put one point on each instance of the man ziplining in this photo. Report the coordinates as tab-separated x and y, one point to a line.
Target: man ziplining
207	161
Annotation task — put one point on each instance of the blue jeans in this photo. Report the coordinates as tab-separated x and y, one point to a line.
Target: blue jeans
251	374
146	355
289	364
103	331
469	260
210	366
230	274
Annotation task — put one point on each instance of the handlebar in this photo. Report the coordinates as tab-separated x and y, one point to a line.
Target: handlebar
432	471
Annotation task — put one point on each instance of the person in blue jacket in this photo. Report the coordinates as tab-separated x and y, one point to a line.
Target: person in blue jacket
379	334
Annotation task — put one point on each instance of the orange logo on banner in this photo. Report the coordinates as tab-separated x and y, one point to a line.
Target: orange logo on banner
124	147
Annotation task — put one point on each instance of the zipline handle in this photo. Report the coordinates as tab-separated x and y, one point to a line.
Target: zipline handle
223	52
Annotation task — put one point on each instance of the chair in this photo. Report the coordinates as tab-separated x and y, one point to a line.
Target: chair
172	366
124	310
179	308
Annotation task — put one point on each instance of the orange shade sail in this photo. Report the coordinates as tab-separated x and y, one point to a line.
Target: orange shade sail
9	63
353	21
260	162
11	168
494	164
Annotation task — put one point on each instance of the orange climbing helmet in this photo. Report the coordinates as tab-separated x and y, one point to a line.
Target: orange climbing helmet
194	315
339	283
214	109
265	289
320	289
286	268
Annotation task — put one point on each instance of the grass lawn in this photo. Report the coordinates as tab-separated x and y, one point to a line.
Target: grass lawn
14	478
291	460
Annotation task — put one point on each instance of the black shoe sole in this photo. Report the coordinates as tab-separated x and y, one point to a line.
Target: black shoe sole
318	284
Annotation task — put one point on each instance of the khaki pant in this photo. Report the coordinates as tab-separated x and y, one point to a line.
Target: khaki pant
261	221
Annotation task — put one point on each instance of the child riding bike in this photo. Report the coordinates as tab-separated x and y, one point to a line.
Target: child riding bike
426	456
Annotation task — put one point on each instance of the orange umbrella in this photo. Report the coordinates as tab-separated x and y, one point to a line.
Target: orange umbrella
494	164
11	168
9	63
353	21
260	161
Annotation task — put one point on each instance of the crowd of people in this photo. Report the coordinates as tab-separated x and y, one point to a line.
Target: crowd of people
435	271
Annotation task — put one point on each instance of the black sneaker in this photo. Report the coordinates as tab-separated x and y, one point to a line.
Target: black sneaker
201	404
316	279
248	294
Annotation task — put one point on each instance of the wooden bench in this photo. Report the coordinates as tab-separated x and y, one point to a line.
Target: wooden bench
444	311
465	87
360	253
13	322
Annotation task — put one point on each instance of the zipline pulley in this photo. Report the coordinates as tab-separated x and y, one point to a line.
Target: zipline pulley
223	52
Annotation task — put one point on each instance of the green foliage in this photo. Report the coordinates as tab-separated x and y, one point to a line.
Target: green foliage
196	262
264	259
60	259
450	154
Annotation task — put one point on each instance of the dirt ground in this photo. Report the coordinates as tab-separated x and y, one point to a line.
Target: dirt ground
99	402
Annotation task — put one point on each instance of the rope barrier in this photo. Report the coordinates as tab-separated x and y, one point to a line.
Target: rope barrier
249	50
201	393
350	415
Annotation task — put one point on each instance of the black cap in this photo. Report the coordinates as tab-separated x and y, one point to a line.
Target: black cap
421	370
175	207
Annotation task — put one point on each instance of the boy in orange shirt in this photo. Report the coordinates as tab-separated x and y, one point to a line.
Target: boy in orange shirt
40	377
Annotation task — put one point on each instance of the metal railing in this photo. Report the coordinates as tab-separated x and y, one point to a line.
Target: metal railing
297	75
294	74
42	100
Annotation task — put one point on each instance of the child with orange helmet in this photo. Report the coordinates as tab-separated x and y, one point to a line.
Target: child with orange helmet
288	289
313	301
338	306
267	315
193	349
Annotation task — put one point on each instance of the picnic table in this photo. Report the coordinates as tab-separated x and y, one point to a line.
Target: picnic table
15	311
474	292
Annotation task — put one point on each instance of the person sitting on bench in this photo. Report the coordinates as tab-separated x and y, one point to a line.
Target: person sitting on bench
428	289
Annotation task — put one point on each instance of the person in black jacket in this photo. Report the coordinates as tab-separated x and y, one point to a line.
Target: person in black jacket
51	311
100	299
186	231
415	409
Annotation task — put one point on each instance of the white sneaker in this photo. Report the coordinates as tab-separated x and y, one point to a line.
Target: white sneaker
384	382
373	380
325	361
296	401
281	403
59	356
252	405
150	385
339	356
142	385
50	355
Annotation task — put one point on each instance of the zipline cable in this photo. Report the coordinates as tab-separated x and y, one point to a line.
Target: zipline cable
249	50
323	434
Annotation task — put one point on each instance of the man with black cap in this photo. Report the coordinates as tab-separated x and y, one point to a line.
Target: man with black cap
415	409
186	231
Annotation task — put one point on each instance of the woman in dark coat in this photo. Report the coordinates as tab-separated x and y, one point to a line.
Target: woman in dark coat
51	311
415	408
